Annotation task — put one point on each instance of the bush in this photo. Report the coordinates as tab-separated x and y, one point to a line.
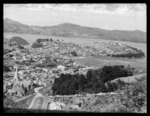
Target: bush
8	103
38	41
139	54
18	40
20	47
99	87
36	45
74	53
51	39
134	97
120	84
42	40
6	68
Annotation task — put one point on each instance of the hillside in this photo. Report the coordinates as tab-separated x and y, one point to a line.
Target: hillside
130	79
73	30
19	40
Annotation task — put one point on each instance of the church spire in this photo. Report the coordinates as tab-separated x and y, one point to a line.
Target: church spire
16	73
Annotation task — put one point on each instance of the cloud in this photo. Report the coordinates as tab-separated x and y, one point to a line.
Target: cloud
127	9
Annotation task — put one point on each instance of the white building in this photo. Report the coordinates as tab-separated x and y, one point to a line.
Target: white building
61	67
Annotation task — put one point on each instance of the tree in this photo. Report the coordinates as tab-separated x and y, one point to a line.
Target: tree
18	40
89	75
101	86
120	84
72	88
51	39
36	45
93	81
8	103
109	73
109	87
82	81
20	47
74	53
6	68
38	41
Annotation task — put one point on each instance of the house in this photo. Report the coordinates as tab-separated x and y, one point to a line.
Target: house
61	67
56	106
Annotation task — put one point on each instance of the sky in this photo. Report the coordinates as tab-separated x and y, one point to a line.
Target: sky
104	16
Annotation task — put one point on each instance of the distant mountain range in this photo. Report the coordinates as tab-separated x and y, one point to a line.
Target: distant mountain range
73	30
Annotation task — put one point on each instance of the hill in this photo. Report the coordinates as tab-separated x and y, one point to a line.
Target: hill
19	40
130	79
73	30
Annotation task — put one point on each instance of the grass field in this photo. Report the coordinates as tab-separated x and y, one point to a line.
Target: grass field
100	62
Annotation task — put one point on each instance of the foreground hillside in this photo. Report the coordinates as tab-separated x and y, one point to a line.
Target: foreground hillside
72	30
131	98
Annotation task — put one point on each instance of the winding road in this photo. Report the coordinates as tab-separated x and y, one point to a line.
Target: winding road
40	101
37	100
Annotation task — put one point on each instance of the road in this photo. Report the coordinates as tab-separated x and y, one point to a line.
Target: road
37	104
37	100
24	98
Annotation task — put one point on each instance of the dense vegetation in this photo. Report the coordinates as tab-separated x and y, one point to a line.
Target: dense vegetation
42	40
19	40
130	55
5	51
6	68
131	98
134	96
8	104
20	47
74	53
93	82
36	45
39	41
138	54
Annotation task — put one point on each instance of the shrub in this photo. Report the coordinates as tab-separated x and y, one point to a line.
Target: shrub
20	47
38	41
120	84
36	45
6	68
18	40
51	39
138	54
74	53
8	103
134	97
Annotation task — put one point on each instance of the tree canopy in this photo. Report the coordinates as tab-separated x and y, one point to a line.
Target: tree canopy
93	82
36	45
19	40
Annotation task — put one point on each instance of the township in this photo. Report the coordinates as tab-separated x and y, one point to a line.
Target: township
33	68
